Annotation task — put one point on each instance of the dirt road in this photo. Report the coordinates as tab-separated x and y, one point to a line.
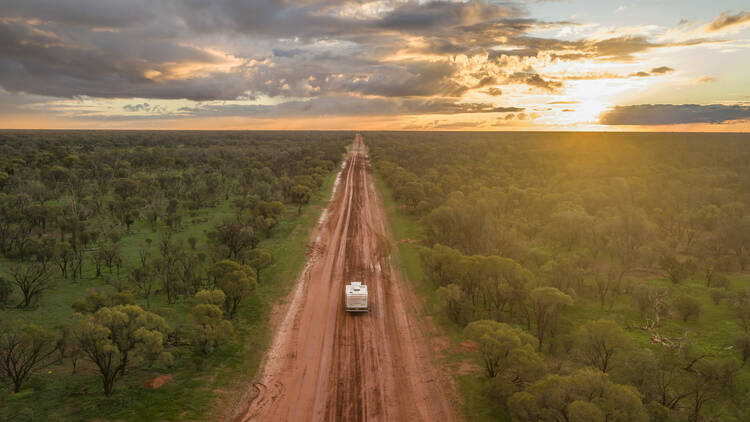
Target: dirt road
329	365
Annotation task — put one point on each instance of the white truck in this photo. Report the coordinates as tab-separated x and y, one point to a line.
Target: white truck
355	298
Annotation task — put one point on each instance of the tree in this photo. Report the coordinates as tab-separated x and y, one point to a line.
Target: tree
676	271
496	340
605	287
300	195
740	305
735	235
742	345
260	259
546	304
710	379
235	236
209	328
640	368
585	411
686	307
125	188
95	300
566	398
114	338
33	280
452	298
63	255
144	283
24	349
599	341
235	280
651	301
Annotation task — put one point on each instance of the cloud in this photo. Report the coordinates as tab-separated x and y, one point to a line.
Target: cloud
657	71
705	79
670	114
661	70
726	20
345	106
494	91
534	80
321	57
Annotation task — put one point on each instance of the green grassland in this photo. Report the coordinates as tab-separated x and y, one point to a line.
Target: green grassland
56	395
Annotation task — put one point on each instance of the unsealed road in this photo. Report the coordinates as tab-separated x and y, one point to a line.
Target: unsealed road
329	365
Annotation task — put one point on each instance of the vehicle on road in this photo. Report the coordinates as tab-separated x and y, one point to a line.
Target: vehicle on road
355	298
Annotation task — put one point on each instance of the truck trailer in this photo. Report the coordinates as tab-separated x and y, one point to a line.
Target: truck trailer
355	297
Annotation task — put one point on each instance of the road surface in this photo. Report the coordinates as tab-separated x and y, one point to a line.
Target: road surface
325	364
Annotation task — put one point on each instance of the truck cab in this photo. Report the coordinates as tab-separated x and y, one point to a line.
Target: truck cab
355	298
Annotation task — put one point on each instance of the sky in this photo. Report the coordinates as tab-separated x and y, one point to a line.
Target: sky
639	65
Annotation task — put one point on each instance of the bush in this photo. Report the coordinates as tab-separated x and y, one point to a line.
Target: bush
686	307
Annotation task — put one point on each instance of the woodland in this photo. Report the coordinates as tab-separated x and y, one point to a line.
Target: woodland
589	276
129	255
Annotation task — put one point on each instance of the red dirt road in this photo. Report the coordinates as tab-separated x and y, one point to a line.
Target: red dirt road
329	365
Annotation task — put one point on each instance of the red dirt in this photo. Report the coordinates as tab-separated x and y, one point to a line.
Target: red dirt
157	382
327	364
466	346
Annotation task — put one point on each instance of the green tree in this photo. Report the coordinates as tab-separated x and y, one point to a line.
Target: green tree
260	259
677	271
33	280
114	338
742	345
235	280
599	341
24	349
209	329
496	340
710	380
686	307
561	398
95	299
585	411
546	303
300	195
235	236
452	298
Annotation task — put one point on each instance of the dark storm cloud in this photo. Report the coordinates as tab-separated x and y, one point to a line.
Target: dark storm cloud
669	114
94	13
345	106
205	50
726	20
611	49
413	16
108	66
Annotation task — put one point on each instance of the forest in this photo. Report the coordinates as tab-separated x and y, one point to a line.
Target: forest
586	276
130	257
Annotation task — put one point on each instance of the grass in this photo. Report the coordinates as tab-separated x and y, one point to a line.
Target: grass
58	395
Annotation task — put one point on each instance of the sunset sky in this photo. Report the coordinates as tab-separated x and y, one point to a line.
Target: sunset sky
336	64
